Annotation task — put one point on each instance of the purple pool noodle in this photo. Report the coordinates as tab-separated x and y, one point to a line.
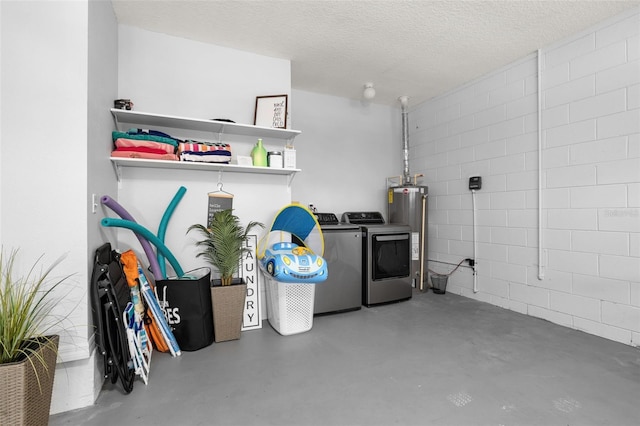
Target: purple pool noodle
146	245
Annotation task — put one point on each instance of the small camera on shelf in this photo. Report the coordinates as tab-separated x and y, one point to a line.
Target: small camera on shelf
123	104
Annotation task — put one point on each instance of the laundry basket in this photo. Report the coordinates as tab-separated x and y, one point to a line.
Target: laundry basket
290	255
290	306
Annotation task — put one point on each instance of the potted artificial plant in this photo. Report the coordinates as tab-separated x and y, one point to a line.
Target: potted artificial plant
28	353
223	248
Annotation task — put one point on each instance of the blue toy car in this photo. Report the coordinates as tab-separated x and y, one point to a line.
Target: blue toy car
291	263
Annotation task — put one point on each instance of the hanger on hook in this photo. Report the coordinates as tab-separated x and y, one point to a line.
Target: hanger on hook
220	192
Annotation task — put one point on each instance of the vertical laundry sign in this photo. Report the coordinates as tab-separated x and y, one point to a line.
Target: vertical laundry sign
251	318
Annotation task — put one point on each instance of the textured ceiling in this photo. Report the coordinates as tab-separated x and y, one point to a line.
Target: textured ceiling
414	48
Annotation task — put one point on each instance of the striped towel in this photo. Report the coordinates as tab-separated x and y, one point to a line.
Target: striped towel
195	146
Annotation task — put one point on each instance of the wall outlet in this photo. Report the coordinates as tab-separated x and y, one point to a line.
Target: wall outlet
475	182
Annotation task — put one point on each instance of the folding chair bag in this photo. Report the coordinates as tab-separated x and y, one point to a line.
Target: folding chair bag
186	302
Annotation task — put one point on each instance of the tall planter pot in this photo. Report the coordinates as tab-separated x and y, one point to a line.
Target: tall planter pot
26	385
228	309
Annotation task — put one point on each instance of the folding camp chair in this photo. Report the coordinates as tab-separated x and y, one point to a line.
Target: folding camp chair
109	297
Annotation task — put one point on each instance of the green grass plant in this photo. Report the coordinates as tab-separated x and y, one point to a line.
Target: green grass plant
26	303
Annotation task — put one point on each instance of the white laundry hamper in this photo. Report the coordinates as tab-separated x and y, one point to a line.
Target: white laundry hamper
290	306
291	289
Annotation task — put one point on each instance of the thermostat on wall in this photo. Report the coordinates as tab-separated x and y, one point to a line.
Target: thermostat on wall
475	182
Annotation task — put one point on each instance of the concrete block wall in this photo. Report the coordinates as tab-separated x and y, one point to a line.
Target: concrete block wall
590	180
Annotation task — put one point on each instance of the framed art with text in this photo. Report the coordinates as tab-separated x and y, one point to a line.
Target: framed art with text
271	111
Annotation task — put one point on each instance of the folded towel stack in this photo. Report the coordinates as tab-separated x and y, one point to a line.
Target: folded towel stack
204	152
149	144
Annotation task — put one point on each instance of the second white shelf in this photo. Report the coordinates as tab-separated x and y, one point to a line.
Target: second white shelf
118	163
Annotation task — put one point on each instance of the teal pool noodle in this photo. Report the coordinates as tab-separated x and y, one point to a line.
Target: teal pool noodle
139	229
162	229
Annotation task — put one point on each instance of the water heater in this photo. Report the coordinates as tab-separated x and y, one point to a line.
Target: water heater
408	205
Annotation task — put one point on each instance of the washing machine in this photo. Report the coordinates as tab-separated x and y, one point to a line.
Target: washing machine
342	291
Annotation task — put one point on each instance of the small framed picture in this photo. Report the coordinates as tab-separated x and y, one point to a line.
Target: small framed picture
271	111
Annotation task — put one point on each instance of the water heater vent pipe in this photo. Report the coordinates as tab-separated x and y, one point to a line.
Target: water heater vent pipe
406	176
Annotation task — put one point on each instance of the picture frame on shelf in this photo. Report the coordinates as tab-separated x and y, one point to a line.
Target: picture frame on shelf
271	111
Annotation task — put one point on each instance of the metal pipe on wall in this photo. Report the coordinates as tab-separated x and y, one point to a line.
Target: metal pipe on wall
540	180
475	242
423	254
404	102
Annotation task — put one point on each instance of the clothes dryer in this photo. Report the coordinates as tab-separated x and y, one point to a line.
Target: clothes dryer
386	258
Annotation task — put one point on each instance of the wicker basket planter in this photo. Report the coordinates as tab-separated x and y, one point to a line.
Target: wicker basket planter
228	309
26	386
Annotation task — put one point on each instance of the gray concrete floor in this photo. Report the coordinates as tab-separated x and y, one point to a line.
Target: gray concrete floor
432	360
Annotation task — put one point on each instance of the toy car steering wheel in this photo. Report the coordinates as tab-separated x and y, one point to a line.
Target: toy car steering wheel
298	251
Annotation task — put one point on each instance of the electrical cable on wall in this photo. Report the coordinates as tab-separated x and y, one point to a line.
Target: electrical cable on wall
449	274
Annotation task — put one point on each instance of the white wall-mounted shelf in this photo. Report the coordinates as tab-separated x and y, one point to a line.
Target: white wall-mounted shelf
149	120
119	163
146	120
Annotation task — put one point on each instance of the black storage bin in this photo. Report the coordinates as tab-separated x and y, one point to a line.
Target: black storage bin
186	302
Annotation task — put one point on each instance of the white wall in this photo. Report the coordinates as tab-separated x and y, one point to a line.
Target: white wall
44	197
176	76
43	72
346	150
224	83
591	182
196	80
78	383
1	134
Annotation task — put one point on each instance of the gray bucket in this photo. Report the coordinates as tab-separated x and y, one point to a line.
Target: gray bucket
439	283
